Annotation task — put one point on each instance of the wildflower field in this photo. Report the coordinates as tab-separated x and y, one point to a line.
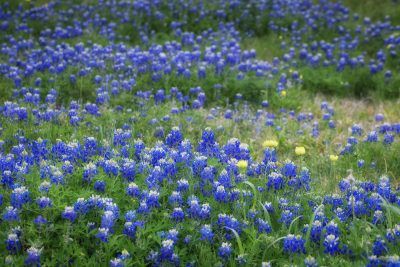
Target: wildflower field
200	133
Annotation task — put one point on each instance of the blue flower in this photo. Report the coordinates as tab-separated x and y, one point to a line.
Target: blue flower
174	137
133	190
130	228
11	214
152	198
69	214
275	181
221	194
40	220
332	229
331	244
116	263
128	170
225	250
44	202
33	258
388	138
13	244
206	233
379	247
294	244
263	226
178	215
175	198
182	185
310	261
103	234
100	186
19	197
289	169
108	219
167	249
81	206
89	172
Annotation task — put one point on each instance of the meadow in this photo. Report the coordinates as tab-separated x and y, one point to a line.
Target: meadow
200	133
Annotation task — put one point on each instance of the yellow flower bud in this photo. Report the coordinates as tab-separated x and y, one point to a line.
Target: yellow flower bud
242	164
333	157
270	143
300	150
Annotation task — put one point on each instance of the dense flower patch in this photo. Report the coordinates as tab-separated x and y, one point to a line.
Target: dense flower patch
121	146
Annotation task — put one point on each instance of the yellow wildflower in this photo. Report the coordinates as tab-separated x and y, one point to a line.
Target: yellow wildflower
300	150
242	164
333	157
270	143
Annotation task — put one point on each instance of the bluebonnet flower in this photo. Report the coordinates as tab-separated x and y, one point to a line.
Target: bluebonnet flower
287	217
40	220
108	219
332	229
111	167
81	206
225	250
206	233
393	260
173	234
167	249
289	169
388	138
331	244
393	235
56	176
182	185
316	231
33	258
7	179
384	188
89	172
275	181
44	202
13	244
100	186
379	247
356	130
374	261
174	137
294	244
116	263
342	214
133	190
199	163
128	170
310	261
143	207
130	228
379	117
178	215
69	214
263	226
372	137
175	198
11	214
152	198
103	234
19	197
224	179
67	167
221	194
